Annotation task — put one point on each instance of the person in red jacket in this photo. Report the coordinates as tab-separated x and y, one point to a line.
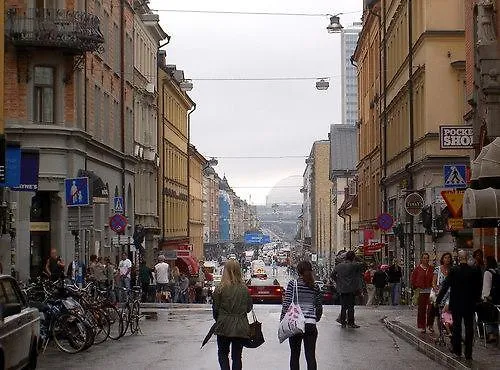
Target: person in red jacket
421	279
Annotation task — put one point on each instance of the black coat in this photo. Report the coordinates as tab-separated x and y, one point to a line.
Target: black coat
465	286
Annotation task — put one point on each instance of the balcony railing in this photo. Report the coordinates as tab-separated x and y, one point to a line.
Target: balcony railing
54	28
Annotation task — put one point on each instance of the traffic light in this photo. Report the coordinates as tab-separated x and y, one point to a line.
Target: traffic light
426	217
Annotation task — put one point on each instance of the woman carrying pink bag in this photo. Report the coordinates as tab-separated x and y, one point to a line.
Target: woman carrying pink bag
307	295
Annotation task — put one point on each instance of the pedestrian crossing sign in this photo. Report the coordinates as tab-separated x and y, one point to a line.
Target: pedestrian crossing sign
118	205
455	176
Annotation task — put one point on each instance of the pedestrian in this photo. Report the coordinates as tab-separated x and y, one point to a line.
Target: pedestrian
162	270
395	274
464	282
478	257
309	298
144	280
110	273
125	270
231	303
348	276
491	294
92	268
183	288
380	280
175	282
421	281
370	288
54	267
440	274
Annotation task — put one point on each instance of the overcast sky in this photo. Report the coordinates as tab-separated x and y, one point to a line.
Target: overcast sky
257	118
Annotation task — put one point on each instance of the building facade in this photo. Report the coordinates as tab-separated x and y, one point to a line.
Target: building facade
173	191
349	75
197	164
146	38
319	199
398	111
343	159
67	109
225	205
210	212
482	48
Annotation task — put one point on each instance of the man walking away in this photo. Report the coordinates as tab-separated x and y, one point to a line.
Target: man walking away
380	279
395	274
464	282
162	270
370	288
348	277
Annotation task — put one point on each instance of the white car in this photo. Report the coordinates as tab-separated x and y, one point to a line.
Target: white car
19	328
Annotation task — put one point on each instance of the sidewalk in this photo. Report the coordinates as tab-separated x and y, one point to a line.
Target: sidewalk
403	323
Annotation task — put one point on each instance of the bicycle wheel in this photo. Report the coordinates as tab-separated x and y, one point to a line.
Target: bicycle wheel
103	326
70	333
134	317
115	321
125	319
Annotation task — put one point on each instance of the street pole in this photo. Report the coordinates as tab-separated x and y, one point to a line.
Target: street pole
330	236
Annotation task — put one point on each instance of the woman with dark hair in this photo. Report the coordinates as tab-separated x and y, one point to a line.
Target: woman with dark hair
440	274
489	295
421	281
309	298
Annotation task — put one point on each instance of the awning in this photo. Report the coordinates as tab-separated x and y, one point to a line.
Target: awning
187	264
481	208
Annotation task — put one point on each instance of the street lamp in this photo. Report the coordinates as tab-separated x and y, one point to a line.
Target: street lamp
322	84
334	26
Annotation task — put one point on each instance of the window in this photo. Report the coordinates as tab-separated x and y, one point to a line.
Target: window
44	95
8	293
39	4
97	109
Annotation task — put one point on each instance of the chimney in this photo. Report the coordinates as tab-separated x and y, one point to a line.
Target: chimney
162	58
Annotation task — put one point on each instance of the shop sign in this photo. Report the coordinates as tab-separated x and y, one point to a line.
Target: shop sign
371	248
414	204
455	224
455	137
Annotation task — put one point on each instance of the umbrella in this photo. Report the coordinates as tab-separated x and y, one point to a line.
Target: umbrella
209	335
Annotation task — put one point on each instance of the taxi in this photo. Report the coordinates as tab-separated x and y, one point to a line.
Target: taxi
19	328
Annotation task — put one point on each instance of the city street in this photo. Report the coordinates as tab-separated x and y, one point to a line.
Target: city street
173	342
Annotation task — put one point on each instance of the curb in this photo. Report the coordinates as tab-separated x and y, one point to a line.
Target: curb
428	349
177	306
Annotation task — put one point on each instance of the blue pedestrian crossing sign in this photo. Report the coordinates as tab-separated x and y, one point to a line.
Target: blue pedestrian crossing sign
118	205
77	192
455	176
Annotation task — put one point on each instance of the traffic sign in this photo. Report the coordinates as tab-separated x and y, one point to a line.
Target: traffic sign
77	192
385	221
455	176
414	204
118	223
454	200
118	205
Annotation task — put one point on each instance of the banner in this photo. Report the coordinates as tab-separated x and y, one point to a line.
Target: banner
30	166
12	167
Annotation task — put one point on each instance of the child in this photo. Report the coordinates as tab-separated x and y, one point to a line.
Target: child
447	319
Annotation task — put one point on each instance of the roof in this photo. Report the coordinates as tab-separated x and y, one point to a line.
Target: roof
343	150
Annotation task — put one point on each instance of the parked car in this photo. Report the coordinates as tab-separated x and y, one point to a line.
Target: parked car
265	290
19	327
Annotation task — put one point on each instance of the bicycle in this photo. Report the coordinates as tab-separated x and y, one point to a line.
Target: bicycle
130	311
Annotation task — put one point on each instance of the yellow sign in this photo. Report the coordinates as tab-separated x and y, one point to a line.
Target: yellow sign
455	224
454	200
39	226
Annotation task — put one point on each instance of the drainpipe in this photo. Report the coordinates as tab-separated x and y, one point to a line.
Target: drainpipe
350	229
122	98
189	167
162	160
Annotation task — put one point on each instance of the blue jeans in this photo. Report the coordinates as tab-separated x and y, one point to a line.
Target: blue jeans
124	283
395	293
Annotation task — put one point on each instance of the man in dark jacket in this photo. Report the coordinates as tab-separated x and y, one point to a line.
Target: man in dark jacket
464	282
348	276
380	281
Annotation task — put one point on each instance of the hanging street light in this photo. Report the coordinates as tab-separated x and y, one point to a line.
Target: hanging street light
186	85
322	84
334	26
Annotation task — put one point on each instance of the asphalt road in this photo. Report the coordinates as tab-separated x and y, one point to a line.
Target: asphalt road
173	342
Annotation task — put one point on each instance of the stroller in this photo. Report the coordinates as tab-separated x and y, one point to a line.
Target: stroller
444	323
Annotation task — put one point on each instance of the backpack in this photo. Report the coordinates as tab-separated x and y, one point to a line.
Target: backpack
495	286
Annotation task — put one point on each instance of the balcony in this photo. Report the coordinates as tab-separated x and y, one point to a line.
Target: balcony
74	31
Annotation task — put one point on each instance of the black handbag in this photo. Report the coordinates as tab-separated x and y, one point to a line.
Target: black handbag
256	338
